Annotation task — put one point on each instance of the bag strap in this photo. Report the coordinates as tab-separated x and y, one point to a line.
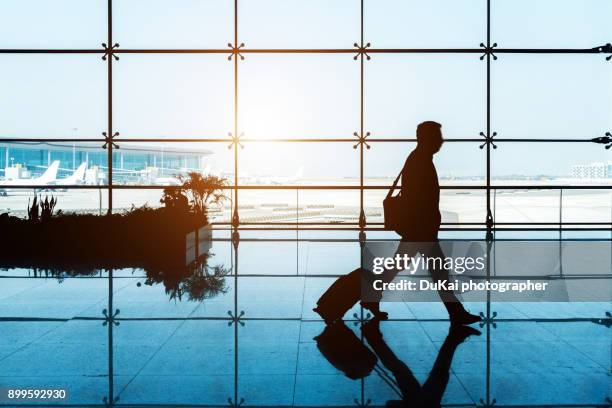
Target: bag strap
394	186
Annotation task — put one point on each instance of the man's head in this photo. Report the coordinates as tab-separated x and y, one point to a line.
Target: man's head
429	136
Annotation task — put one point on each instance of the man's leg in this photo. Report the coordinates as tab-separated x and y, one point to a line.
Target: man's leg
434	387
373	302
456	312
406	381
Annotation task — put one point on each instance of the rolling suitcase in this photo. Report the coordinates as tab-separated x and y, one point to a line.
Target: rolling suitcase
343	349
340	297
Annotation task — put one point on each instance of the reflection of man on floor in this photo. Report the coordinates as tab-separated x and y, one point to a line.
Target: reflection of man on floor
413	393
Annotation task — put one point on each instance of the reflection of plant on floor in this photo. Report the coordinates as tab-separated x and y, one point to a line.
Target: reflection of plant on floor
198	281
59	272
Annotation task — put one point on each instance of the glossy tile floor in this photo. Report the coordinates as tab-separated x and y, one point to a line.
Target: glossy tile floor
254	343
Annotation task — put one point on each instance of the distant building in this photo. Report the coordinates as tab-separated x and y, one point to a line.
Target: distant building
597	170
129	162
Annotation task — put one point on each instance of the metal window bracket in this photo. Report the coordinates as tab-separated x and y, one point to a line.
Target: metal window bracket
488	51
362	50
606	140
235	140
109	140
108	51
488	140
361	140
235	51
605	49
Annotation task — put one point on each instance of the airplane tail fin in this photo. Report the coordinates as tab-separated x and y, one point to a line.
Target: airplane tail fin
79	173
51	173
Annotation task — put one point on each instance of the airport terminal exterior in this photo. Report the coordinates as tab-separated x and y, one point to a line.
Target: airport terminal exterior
128	161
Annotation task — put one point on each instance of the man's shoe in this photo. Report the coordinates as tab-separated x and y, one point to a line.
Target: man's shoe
374	307
464	318
458	334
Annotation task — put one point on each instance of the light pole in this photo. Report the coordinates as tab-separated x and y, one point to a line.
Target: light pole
74	132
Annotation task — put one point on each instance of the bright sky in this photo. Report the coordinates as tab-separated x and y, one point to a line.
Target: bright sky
317	96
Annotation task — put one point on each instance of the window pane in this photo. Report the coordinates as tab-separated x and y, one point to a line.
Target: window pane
53	96
173	24
425	24
384	160
267	206
525	206
298	206
329	206
456	206
299	23
298	96
551	96
461	163
570	163
587	206
457	163
162	96
54	164
31	159
162	163
463	206
551	23
402	91
298	163
53	24
82	201
125	199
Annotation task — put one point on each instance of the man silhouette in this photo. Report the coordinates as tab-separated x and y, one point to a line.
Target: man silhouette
349	354
420	186
413	394
420	193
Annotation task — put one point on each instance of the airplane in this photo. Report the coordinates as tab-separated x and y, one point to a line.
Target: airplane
76	178
48	177
150	175
288	180
276	180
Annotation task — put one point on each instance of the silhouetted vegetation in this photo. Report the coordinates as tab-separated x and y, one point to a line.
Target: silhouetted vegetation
41	210
195	194
139	237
